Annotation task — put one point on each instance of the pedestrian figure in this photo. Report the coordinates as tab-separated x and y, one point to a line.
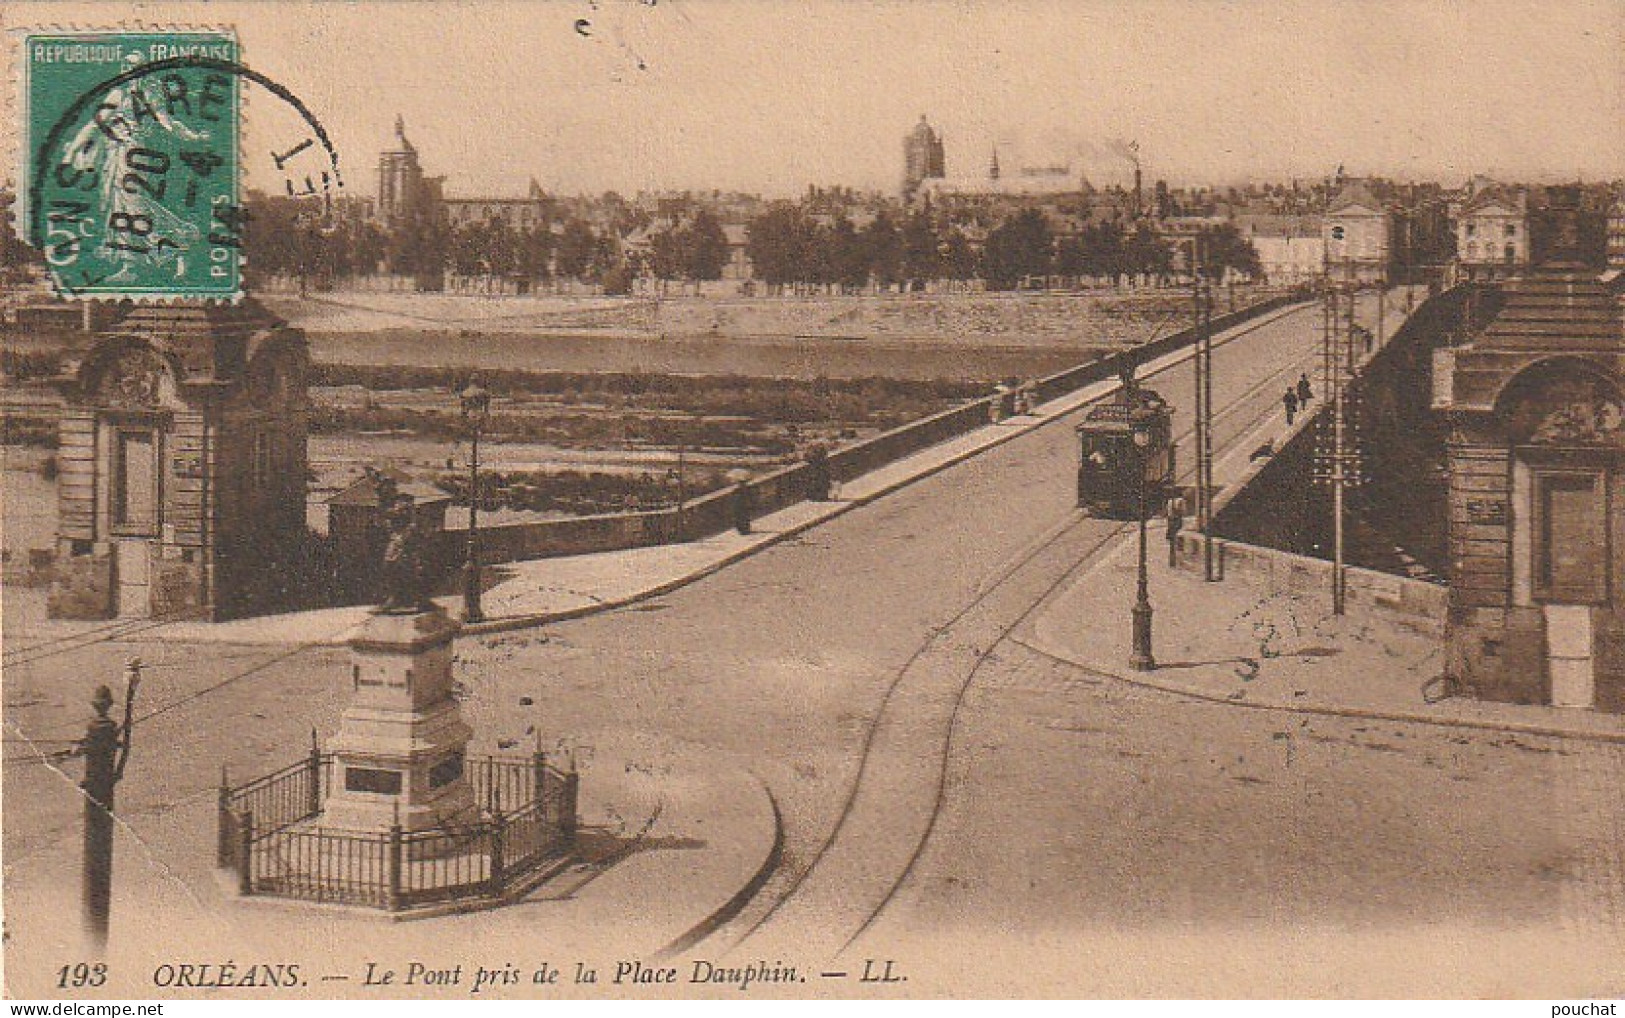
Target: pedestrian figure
744	503
818	475
1291	401
1175	515
996	410
1305	394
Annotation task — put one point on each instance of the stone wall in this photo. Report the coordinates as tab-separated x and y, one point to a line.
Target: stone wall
177	586
76	475
1412	603
1499	652
82	587
712	513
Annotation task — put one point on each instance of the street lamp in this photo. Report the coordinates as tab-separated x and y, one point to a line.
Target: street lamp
476	403
1140	425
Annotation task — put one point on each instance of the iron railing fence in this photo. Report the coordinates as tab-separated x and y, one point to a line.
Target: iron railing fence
527	816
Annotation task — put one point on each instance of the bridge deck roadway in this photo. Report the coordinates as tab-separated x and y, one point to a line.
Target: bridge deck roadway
897	792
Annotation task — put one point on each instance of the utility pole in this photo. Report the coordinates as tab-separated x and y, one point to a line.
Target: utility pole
1351	288
682	474
1329	435
1202	324
682	480
1336	456
1382	308
107	750
1338	440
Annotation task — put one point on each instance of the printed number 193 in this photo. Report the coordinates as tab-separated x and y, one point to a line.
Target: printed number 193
80	975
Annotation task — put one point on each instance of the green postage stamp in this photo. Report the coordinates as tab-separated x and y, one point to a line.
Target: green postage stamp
130	176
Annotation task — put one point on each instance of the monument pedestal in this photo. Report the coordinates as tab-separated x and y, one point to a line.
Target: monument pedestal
399	753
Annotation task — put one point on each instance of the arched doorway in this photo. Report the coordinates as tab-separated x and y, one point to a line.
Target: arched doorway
1565	421
133	389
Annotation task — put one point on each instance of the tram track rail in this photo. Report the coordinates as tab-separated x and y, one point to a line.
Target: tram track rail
1091	555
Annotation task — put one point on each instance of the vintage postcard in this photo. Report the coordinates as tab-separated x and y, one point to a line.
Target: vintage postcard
751	500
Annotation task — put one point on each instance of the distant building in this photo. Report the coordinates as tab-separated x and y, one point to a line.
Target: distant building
1616	233
1291	248
530	212
922	157
1180	233
1358	233
404	191
738	266
1026	182
1492	233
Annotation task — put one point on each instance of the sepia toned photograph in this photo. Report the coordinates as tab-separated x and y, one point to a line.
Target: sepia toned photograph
812	499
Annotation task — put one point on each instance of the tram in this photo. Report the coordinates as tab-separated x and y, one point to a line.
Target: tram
1112	462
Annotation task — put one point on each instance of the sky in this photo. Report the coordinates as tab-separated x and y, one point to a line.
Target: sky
770	96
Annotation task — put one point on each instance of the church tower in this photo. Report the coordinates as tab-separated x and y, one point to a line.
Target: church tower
922	157
400	178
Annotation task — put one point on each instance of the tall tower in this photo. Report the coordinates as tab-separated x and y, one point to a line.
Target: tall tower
922	157
1139	198
400	178
993	165
1616	233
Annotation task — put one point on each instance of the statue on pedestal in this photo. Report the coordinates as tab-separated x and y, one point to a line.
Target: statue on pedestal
405	573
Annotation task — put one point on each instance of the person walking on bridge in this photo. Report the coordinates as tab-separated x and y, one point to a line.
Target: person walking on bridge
1291	402
1174	515
742	503
1305	393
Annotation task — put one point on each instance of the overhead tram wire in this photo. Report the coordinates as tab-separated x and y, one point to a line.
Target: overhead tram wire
1087	558
108	633
1071	522
199	694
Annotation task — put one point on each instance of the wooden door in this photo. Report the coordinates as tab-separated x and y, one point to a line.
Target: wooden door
1571	538
135	496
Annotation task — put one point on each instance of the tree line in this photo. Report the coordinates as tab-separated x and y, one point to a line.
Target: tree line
787	244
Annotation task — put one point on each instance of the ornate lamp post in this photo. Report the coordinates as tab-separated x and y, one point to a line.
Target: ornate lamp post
1140	424
476	402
